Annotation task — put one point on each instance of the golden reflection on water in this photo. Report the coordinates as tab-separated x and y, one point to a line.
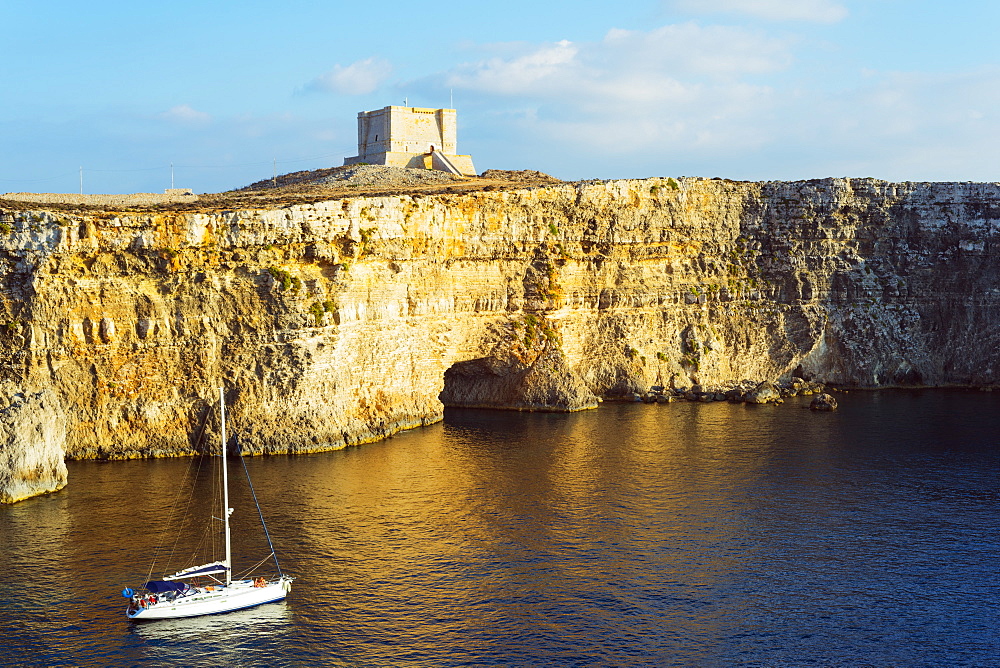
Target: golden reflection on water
634	535
233	629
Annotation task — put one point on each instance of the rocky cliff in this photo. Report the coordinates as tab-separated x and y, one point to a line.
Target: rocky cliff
340	322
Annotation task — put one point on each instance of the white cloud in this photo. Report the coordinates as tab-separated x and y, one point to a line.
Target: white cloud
637	64
635	89
819	11
358	78
691	49
530	72
187	115
727	101
916	126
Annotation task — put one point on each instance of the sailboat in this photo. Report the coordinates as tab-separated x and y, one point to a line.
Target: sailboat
209	589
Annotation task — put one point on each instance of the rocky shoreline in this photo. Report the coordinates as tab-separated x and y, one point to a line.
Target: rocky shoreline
336	322
745	391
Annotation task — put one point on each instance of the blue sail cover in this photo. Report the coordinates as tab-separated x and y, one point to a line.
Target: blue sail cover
160	586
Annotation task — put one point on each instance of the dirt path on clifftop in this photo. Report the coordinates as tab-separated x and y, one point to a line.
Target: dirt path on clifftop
290	195
291	189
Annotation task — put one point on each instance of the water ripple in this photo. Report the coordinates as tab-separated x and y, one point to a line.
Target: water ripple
675	535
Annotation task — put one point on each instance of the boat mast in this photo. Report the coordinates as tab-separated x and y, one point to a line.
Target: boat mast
225	485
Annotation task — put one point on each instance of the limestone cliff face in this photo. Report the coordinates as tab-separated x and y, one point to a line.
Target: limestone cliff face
337	323
32	433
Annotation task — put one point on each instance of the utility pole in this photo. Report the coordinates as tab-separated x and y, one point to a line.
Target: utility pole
81	179
274	173
171	176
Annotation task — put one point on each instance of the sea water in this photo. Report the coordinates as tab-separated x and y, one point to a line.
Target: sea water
633	535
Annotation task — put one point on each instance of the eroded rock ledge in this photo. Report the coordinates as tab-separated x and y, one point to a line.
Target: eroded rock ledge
341	322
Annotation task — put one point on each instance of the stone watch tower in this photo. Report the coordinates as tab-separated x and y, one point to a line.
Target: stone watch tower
411	137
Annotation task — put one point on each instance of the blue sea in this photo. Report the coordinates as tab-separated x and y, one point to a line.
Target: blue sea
633	535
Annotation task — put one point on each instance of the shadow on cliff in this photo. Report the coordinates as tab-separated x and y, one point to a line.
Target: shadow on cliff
508	383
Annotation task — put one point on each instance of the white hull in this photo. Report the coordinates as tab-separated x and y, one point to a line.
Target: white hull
237	596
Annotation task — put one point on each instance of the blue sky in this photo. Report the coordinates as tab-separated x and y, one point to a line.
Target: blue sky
742	89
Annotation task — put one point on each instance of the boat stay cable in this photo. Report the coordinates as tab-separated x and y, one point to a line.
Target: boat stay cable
181	488
178	525
267	534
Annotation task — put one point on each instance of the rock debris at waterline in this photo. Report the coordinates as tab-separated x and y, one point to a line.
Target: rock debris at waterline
746	391
334	323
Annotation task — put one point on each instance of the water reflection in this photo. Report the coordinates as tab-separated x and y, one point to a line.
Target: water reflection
232	628
244	637
679	534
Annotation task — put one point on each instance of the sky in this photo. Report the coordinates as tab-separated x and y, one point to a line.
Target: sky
217	95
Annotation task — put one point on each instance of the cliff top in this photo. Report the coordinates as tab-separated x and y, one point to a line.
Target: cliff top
290	189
